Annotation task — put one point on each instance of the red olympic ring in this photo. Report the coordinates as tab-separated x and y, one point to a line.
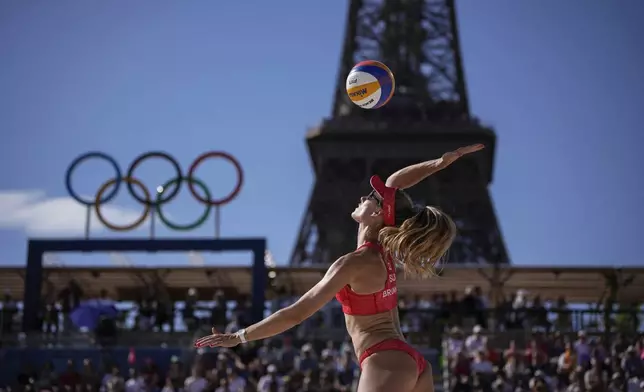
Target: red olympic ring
236	189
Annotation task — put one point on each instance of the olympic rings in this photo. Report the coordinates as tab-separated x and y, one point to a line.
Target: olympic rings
229	158
97	204
103	195
78	161
190	226
158	154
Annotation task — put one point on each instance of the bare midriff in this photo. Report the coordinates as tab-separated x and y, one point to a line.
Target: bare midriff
366	331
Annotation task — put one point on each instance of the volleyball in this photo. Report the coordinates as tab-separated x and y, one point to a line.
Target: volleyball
370	84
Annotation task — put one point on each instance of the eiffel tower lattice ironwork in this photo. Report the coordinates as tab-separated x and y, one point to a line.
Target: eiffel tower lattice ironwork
428	115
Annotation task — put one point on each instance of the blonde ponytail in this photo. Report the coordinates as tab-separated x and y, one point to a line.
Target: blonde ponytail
420	242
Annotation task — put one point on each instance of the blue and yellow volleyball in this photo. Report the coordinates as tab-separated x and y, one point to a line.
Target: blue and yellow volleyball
370	84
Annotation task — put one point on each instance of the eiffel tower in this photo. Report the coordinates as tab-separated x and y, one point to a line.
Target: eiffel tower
429	115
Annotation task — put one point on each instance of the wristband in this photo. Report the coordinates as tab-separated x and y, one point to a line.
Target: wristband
241	334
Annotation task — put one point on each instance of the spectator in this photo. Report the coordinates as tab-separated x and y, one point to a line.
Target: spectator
582	349
347	369
481	364
461	365
190	306
197	381
162	315
494	356
133	383
557	345
306	361
327	362
566	363
330	350
512	351
513	366
233	325
619	345
564	315
89	376
145	316
270	381
596	378
470	304
218	312
501	384
150	374
452	308
540	382
475	342
598	351
519	308
168	386
47	376
70	377
616	383
631	364
235	381
482	305
113	380
535	357
176	373
224	386
286	355
8	313
266	352
577	381
69	298
50	319
455	343
462	384
539	314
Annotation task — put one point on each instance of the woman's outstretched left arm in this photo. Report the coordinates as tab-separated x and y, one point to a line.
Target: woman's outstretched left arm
337	276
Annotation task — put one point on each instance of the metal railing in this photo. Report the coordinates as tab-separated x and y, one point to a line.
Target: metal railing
426	333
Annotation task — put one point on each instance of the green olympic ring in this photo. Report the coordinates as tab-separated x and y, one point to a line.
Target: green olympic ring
190	226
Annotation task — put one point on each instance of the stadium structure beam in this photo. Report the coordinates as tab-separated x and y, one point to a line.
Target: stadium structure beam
38	247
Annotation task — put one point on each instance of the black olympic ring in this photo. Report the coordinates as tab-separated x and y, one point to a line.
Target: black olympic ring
158	154
102	196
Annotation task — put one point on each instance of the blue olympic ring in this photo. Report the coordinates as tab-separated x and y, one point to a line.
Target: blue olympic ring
93	154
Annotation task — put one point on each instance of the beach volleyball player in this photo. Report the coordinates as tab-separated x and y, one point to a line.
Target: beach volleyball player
391	231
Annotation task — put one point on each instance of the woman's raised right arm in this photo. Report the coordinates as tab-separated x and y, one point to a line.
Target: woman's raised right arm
412	175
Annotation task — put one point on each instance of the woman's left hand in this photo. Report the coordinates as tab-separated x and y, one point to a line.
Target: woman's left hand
218	340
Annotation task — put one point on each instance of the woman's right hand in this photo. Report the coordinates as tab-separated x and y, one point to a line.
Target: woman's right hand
450	157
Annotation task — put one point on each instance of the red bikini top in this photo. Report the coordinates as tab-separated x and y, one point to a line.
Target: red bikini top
367	304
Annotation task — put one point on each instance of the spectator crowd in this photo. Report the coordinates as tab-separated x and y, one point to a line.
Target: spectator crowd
271	365
478	350
548	362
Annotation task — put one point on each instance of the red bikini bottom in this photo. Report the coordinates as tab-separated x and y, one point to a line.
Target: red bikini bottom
396	345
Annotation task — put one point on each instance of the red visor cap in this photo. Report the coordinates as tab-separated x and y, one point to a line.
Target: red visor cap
387	196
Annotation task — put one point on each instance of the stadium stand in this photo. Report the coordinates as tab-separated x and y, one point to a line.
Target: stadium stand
476	338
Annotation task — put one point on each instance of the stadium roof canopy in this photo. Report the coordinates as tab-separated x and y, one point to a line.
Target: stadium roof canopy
576	284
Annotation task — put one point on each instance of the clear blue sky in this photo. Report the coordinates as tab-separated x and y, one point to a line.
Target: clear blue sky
560	81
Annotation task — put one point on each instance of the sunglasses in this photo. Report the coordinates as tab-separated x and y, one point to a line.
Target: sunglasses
374	196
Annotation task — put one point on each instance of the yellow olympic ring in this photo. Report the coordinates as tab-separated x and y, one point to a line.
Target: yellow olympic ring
135	224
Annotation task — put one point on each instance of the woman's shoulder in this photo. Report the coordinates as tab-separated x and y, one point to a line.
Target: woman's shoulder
368	257
358	262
